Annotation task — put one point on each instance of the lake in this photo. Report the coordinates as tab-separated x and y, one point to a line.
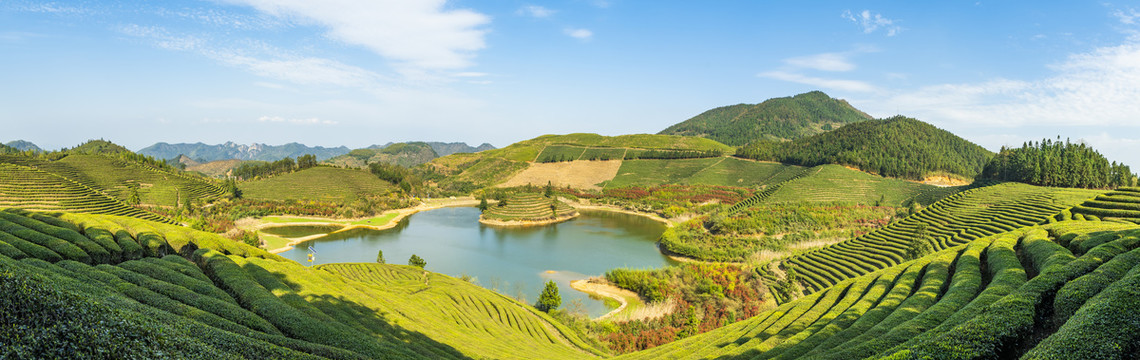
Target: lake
513	260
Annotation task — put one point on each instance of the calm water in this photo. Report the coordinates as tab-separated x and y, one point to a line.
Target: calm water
512	260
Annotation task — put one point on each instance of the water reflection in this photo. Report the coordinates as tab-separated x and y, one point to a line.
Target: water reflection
516	261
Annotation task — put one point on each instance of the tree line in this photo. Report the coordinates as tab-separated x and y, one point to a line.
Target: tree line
896	147
1056	163
249	171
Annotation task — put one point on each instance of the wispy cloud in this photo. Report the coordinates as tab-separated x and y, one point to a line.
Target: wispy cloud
422	34
307	121
1126	16
263	60
836	84
583	34
1098	88
54	8
823	62
871	22
535	11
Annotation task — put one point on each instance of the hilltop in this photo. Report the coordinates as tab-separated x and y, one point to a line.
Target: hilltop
444	148
404	154
23	145
206	153
786	118
896	147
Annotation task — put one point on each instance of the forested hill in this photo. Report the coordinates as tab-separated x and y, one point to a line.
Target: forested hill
786	118
206	153
23	145
896	147
404	154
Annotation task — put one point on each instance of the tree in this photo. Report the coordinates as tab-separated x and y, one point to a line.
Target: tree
920	244
549	191
549	299
483	206
380	257
133	196
416	260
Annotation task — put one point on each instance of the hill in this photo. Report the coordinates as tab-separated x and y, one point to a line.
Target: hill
527	209
778	119
404	154
99	147
318	183
444	149
92	286
1015	294
207	153
23	145
895	147
490	167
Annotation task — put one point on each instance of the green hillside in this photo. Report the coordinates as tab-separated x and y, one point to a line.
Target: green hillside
786	118
489	167
1012	294
896	147
403	154
318	183
33	189
119	175
88	286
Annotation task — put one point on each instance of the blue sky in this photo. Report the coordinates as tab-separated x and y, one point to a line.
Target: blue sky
356	73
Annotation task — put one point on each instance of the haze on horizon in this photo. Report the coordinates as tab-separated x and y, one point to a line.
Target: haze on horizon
358	73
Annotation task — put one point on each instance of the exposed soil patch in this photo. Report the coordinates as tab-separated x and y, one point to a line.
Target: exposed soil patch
577	174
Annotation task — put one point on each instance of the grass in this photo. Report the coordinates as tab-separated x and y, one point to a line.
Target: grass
319	183
235	301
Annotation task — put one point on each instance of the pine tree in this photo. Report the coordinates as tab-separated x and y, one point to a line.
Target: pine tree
549	299
416	260
380	256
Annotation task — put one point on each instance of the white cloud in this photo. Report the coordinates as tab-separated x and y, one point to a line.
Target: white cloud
535	11
584	34
870	22
422	34
836	84
822	62
269	62
308	121
1127	17
1099	88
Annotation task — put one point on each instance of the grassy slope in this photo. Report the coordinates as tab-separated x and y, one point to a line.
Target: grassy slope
29	188
113	177
495	166
708	171
250	303
318	183
939	307
837	183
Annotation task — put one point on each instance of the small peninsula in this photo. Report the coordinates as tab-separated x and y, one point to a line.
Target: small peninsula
527	210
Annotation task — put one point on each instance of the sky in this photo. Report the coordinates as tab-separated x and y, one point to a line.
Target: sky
363	72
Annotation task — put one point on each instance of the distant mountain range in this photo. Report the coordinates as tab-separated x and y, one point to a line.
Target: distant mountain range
201	152
778	119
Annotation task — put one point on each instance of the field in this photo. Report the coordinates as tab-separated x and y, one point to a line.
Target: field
723	171
147	288
577	174
828	183
319	183
28	188
1123	204
1007	295
115	177
528	207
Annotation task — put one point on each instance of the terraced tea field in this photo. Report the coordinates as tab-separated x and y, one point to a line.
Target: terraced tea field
321	183
953	221
1123	204
1008	295
33	189
529	207
114	177
147	289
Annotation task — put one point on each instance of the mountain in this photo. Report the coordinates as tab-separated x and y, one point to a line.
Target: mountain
207	153
896	147
23	146
187	161
445	149
786	118
404	154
